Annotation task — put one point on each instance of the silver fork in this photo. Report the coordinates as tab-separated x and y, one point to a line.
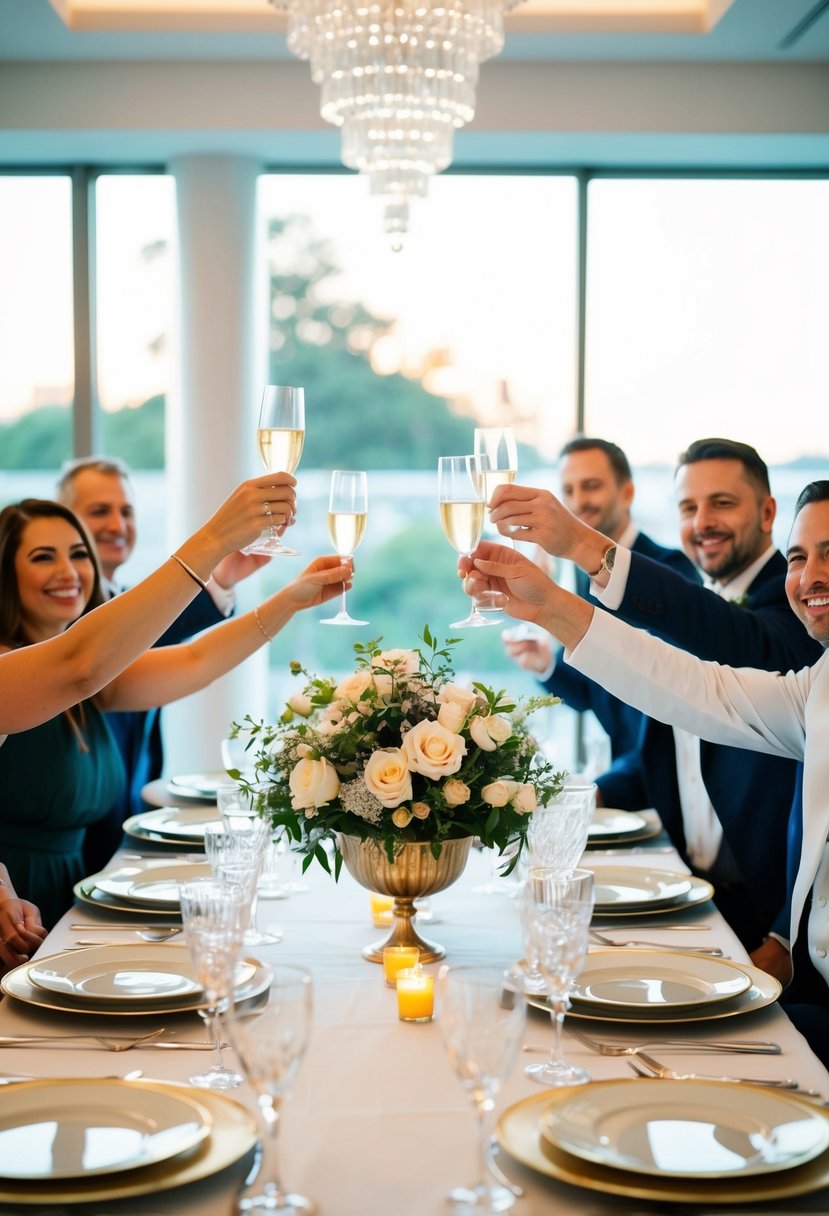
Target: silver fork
663	1071
111	1044
737	1046
714	951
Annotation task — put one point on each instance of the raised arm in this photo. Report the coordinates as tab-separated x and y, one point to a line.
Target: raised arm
39	681
165	674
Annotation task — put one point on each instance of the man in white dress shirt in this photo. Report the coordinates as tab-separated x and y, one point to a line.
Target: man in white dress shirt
781	714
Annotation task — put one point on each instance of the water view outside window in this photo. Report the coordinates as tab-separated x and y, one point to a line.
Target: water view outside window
36	356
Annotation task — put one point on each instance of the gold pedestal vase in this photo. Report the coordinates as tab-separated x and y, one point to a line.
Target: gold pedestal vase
414	874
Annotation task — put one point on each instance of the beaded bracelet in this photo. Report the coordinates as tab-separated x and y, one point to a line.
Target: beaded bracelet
268	636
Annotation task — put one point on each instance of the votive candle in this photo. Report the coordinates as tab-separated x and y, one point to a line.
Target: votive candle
395	958
415	995
381	910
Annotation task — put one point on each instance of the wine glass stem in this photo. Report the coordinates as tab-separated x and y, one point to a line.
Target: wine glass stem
484	1108
559	1008
272	1187
213	1014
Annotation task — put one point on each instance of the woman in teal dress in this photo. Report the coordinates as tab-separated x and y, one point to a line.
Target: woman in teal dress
58	778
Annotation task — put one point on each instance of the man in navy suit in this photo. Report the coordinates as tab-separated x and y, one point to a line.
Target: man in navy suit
711	798
597	486
99	491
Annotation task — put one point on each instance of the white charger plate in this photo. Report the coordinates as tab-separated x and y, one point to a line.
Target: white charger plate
69	1129
234	1134
616	824
700	892
150	884
656	980
17	984
122	973
202	786
630	887
172	824
707	1131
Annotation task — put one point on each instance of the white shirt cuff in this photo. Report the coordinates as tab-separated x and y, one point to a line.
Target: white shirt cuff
612	595
222	597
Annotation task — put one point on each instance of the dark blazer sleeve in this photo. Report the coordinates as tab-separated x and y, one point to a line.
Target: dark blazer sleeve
764	632
198	615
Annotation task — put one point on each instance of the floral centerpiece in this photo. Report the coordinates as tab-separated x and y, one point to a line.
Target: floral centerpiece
397	752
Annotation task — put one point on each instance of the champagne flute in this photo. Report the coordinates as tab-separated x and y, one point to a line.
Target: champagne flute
280	437
347	514
212	914
498	455
558	926
270	1048
482	1015
460	494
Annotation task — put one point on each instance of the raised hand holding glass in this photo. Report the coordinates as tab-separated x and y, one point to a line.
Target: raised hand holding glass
280	437
347	515
460	495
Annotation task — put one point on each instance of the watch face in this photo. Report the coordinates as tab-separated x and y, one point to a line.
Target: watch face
609	558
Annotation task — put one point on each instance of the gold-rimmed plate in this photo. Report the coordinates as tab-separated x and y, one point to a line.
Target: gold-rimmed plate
149	883
699	892
708	1130
17	984
59	1130
172	824
611	827
233	1134
634	888
202	787
764	991
519	1134
655	981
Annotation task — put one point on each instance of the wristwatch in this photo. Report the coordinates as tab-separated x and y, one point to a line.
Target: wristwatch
608	558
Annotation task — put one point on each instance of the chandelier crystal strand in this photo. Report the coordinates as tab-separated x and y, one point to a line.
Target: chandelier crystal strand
399	78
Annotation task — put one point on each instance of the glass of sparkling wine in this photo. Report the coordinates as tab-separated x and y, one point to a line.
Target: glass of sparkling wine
460	494
347	515
497	453
280	437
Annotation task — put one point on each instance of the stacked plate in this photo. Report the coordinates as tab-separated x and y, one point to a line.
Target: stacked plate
697	1142
201	787
149	886
173	825
631	891
610	827
81	1140
126	980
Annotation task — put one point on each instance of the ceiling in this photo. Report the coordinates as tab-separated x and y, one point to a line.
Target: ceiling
599	82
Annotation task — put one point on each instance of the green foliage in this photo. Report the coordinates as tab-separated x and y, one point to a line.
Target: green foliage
137	435
39	440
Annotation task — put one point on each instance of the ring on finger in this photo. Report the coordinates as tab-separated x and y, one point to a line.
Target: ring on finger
267	509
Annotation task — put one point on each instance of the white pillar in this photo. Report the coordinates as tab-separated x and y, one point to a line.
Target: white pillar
211	420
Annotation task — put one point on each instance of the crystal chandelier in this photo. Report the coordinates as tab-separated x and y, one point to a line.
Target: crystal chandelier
399	77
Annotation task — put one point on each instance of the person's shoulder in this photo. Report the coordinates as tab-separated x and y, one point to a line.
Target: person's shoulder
675	559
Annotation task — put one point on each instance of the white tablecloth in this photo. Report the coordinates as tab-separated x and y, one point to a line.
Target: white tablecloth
378	1124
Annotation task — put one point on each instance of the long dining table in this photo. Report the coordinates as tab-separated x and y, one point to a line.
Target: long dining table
378	1122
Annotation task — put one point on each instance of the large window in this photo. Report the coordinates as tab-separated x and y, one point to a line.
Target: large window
36	333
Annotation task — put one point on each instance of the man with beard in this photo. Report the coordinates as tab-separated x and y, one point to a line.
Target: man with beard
709	797
597	486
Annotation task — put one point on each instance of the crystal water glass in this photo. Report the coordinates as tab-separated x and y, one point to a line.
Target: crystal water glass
482	1015
558	928
213	918
270	1048
557	832
236	849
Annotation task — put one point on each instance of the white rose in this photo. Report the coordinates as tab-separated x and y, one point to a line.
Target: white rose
452	716
456	792
300	703
489	732
499	793
303	750
387	777
525	800
353	687
404	662
313	783
385	687
433	750
402	817
455	694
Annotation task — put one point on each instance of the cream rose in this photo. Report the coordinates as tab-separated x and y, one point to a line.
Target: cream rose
353	687
385	686
452	716
524	799
404	662
456	792
489	732
300	703
402	817
313	783
433	750
421	810
499	793
456	694
387	777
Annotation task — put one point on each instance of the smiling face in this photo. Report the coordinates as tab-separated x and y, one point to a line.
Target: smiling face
807	580
725	520
55	576
105	504
591	490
